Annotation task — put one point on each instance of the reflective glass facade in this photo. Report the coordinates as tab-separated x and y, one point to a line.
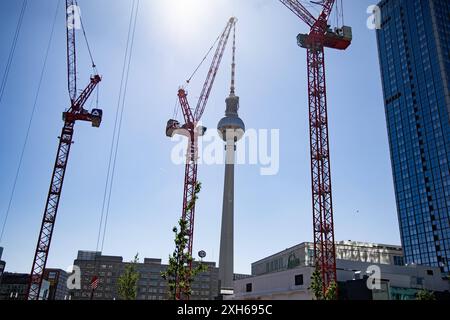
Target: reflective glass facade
414	53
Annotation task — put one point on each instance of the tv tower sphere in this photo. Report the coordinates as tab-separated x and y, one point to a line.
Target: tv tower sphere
231	126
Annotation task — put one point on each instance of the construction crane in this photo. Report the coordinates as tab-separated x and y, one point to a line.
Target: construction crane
76	112
320	36
192	131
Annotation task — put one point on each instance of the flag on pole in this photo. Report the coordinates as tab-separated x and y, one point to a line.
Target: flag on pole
94	283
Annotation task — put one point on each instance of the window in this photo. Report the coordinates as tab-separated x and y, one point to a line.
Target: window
430	272
398	261
419	281
299	280
248	287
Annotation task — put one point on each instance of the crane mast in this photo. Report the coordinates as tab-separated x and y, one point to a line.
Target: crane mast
76	112
192	131
71	18
319	37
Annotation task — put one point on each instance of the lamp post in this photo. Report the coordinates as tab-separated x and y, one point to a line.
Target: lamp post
202	255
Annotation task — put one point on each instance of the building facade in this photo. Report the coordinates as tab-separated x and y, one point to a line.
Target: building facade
14	286
413	45
2	264
355	262
57	279
151	286
2	269
303	254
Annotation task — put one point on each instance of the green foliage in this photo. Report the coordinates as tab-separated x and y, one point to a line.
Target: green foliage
127	288
316	285
180	260
425	295
331	292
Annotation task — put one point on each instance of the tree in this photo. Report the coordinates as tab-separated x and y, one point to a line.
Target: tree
316	284
425	295
331	292
128	281
317	287
180	260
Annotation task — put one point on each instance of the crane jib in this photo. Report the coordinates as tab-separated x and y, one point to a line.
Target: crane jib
217	59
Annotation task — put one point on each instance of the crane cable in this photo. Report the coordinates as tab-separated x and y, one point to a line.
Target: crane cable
195	72
339	13
203	60
94	66
188	81
121	118
27	135
13	50
176	108
117	126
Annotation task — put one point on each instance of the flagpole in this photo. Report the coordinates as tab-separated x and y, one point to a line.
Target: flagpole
94	284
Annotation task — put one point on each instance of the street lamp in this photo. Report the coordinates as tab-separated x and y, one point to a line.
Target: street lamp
202	255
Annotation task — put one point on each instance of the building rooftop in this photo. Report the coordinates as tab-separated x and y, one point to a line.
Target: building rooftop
15	278
339	244
96	255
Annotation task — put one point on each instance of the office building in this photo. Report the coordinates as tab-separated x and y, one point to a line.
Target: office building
287	275
57	280
14	286
413	45
303	255
151	286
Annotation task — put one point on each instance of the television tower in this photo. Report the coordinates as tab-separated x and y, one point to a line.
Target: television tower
192	130
231	128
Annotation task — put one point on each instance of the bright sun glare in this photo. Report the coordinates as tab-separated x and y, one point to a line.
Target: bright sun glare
181	16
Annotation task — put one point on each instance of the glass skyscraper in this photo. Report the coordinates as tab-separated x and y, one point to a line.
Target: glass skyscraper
414	53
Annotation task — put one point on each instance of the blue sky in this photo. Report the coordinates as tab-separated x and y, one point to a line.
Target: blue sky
271	212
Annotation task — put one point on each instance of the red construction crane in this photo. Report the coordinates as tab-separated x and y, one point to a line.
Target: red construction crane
319	37
76	112
192	131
